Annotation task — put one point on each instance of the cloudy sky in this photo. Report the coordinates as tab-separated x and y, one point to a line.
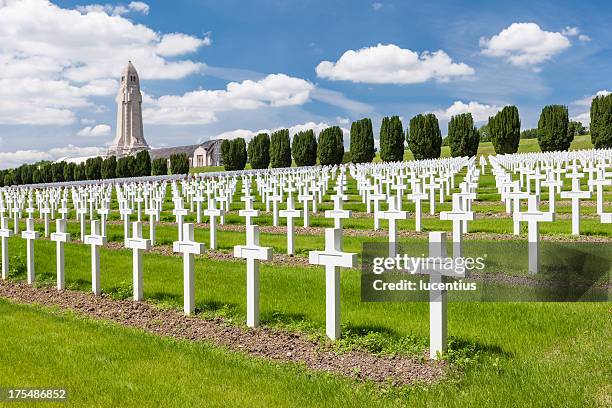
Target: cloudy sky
232	68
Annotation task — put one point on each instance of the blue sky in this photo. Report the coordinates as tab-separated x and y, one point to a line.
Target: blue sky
232	68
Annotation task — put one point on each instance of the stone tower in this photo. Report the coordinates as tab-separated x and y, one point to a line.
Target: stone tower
130	137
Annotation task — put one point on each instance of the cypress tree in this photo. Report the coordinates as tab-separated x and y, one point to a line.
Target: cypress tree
280	149
179	163
93	168
57	171
142	164
259	151
304	148
391	139
505	129
463	137
159	167
226	155
362	141
239	152
330	149
601	122
69	170
425	139
109	168
233	153
553	130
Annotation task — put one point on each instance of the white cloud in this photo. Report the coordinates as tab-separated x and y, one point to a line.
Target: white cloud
19	157
139	6
377	6
584	38
586	101
248	134
52	59
575	32
584	118
480	112
200	107
115	10
390	64
525	44
174	44
95	131
340	100
341	120
570	31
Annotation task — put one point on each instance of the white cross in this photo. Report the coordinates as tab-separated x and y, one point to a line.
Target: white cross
600	183
138	245
458	216
552	184
248	213
290	213
392	215
275	199
198	200
417	196
125	212
16	217
533	216
332	258
103	213
189	248
305	199
81	212
5	234
45	211
179	213
438	302
153	214
517	195
95	240
253	253
213	213
338	213
576	195
376	198
60	236
138	200
30	235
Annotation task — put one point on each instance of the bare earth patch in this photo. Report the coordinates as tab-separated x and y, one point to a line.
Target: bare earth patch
268	343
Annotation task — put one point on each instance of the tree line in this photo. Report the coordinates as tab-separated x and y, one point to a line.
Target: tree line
555	132
95	168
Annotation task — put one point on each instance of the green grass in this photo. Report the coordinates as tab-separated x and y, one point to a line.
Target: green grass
532	354
105	365
519	354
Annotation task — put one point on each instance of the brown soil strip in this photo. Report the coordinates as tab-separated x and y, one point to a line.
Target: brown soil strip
268	343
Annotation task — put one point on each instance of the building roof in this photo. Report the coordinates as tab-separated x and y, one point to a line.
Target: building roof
166	152
129	70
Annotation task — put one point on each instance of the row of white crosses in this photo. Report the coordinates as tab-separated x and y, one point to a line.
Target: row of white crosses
547	169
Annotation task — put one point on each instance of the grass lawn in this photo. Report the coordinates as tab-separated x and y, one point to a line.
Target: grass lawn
524	354
506	354
105	365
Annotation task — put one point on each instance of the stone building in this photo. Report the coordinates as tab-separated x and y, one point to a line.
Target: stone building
129	137
199	155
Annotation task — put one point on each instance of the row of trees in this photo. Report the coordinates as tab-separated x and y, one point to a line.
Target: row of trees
277	150
95	168
423	137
